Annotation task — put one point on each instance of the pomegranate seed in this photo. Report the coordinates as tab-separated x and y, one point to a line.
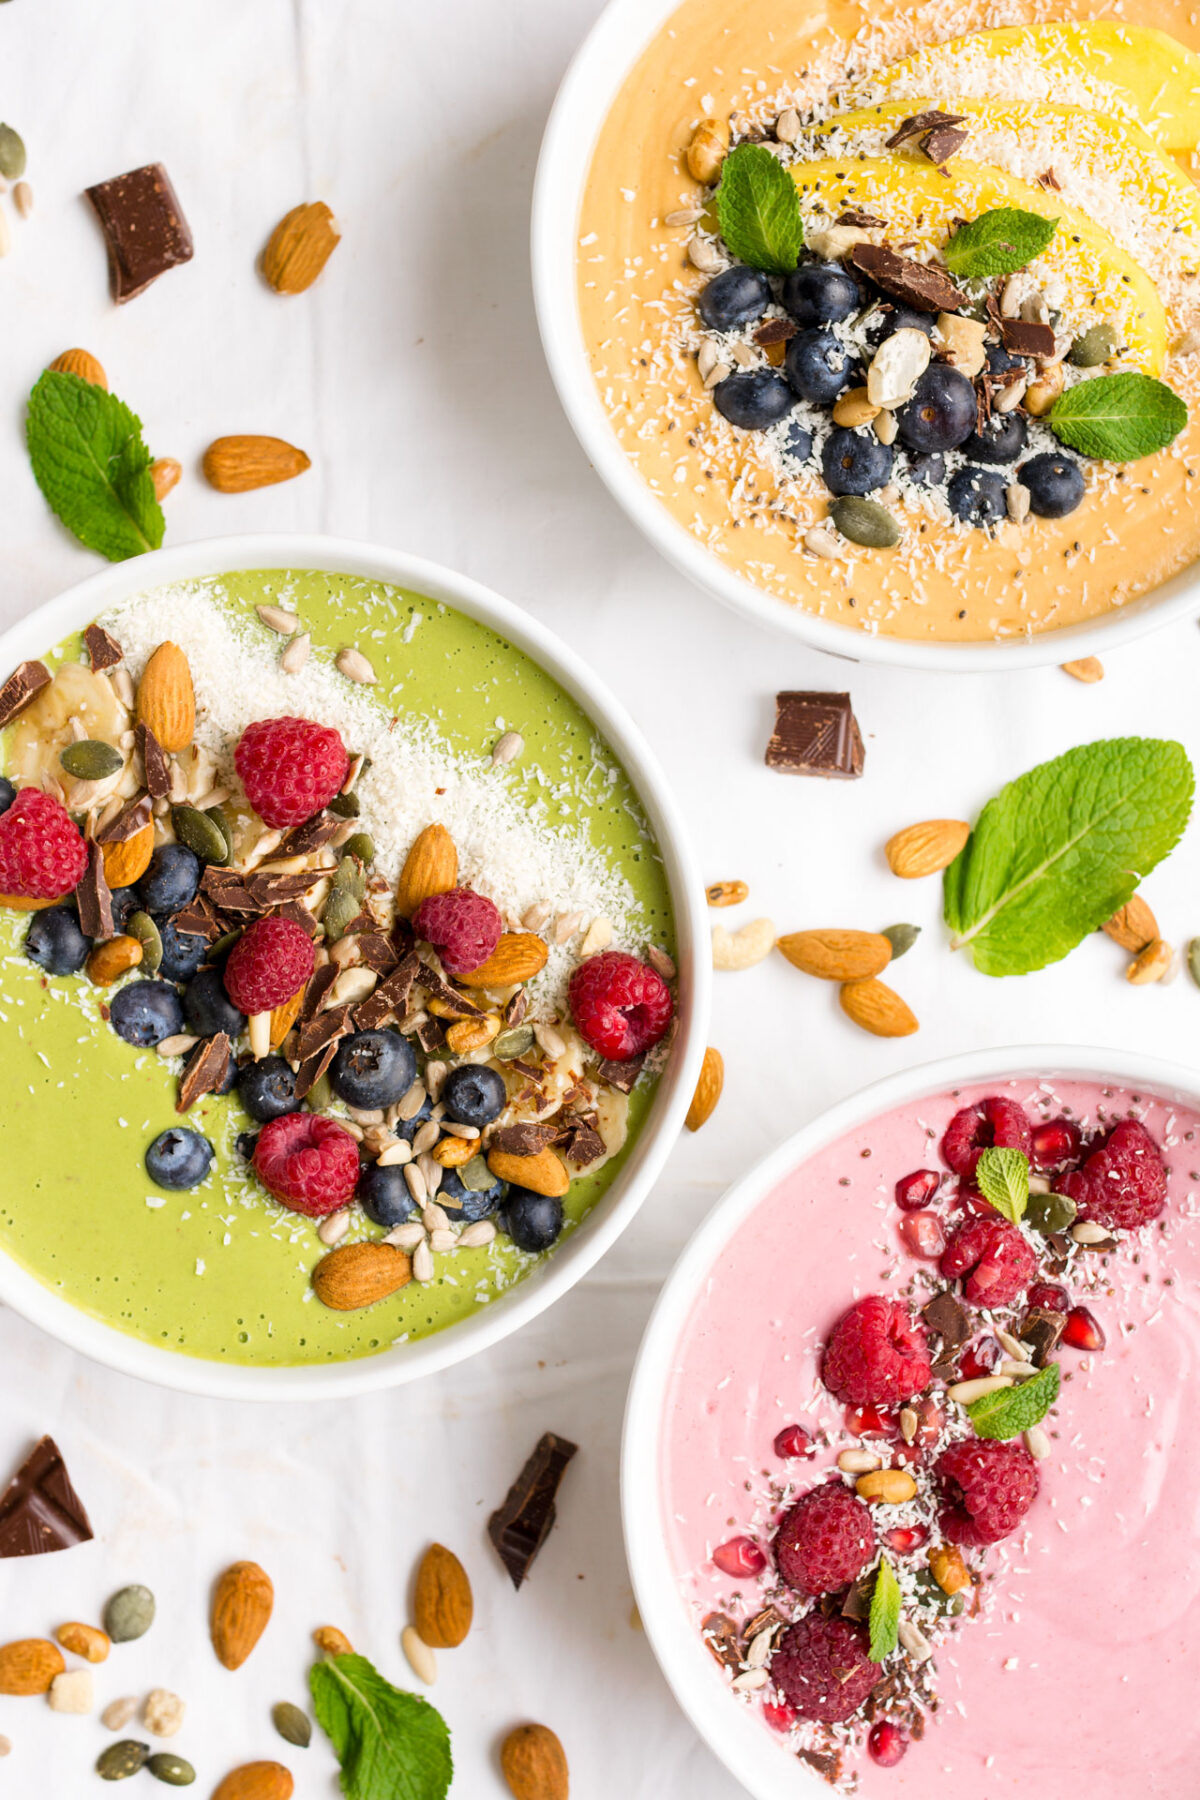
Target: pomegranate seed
779	1715
904	1539
923	1235
886	1743
931	1418
908	1454
1082	1330
1054	1142
913	1191
967	1198
793	1440
1049	1295
740	1557
869	1421
984	1355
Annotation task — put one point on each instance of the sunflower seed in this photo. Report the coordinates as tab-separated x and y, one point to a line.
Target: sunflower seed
285	623
354	666
442	1242
425	1136
296	654
787	126
684	215
1037	1443
432	1171
751	1680
452	1128
23	199
1016	1368
416	1183
908	1424
507	748
433	1218
704	255
475	1236
857	1462
422	1263
966	1391
719	372
914	1642
407	1236
411	1103
333	1229
419	1656
552	1041
395	1153
1012	1344
1088	1232
821	542
1016	501
759	1648
660	961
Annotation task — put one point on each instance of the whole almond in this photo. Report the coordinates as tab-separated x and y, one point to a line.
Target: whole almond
284	1017
877	1008
534	1764
165	473
1133	927
544	1173
299	247
708	1090
925	848
837	955
519	956
726	893
442	1603
126	863
166	699
112	959
243	1601
431	867
332	1641
87	1641
257	1781
29	1665
357	1275
234	465
83	364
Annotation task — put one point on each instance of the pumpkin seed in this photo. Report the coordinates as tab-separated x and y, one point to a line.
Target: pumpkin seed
476	1175
341	910
220	819
91	759
901	938
292	1725
865	522
1193	960
224	943
320	1095
1050	1212
12	153
129	1614
344	805
361	845
513	1043
348	878
174	1770
1094	346
122	1759
200	833
141	926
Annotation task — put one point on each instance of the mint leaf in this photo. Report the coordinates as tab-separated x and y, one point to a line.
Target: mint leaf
1010	1411
1002	1177
997	243
391	1745
91	464
758	210
1118	417
1061	849
885	1613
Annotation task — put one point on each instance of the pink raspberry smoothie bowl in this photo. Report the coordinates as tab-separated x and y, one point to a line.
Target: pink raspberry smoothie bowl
912	1448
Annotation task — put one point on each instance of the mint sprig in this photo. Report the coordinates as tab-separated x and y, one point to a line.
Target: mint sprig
884	1622
1002	1177
391	1745
1118	417
92	466
758	210
1062	848
1010	1411
997	243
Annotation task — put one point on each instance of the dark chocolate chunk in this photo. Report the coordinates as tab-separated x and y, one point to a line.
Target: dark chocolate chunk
431	1035
273	890
769	1619
826	1763
155	766
816	734
299	915
319	984
439	989
23	685
326	1028
776	331
1023	337
40	1510
948	1318
133	817
103	650
375	951
1041	1328
144	229
857	1601
204	1071
917	284
944	142
584	1146
200	919
522	1523
1050	180
94	898
227	890
310	1072
865	221
522	1140
920	124
517	1007
391	996
314	834
720	1636
622	1075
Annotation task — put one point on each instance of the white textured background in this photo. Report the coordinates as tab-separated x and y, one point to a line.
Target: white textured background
412	375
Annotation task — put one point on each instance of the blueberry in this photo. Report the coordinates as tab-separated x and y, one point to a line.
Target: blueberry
734	298
1000	439
171	881
820	294
754	400
999	362
182	951
798	442
889	319
941	413
208	1007
927	471
124	904
267	1089
474	1094
55	942
467	1205
373	1068
8	793
1055	484
383	1193
146	1012
532	1221
408	1128
246	1143
818	367
179	1158
855	462
229	1078
976	495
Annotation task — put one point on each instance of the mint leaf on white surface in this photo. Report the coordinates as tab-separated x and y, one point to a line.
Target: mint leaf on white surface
758	210
92	466
997	243
1010	1411
391	1745
885	1613
1061	849
1118	417
1002	1177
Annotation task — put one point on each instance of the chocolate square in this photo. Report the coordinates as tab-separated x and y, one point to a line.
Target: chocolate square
40	1510
816	734
522	1523
144	228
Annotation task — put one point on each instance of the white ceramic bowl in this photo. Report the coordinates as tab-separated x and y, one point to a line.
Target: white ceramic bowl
734	1732
561	1270
589	88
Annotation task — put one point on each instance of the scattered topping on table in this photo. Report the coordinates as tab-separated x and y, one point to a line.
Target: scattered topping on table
85	365
39	1509
534	1764
144	228
815	734
299	247
443	1605
708	1090
243	1601
234	465
521	1524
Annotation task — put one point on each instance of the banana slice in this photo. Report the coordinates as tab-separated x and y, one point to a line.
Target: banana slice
46	727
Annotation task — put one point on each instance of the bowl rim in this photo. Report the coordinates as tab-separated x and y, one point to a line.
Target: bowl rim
48	623
733	1733
589	87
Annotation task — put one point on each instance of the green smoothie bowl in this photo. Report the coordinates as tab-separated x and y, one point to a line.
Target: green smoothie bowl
350	1000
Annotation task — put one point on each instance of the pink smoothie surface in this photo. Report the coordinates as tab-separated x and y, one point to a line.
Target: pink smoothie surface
1080	1678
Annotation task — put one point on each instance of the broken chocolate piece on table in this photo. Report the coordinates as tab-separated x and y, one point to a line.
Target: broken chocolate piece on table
40	1510
144	229
520	1526
1024	337
103	650
917	284
816	734
23	685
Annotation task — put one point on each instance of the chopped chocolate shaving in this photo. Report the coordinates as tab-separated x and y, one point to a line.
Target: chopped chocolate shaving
144	229
940	145
1042	1328
865	221
769	1619
226	889
314	834
584	1146
524	1068
720	1636
826	1763
133	817
431	1035
1049	180
154	762
204	1071
39	1509
816	734
517	1007
1025	337
103	650
299	915
273	890
621	1075
359	926
995	317
523	1139
948	1318
439	989
391	996
917	284
93	897
375	951
522	1523
326	1028
23	685
776	331
310	1072
200	919
919	124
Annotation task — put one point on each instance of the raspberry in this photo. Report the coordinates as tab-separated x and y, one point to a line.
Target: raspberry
1123	1183
824	1541
269	963
310	1164
462	926
823	1668
42	855
987	1486
290	768
876	1354
976	1128
994	1258
621	1006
